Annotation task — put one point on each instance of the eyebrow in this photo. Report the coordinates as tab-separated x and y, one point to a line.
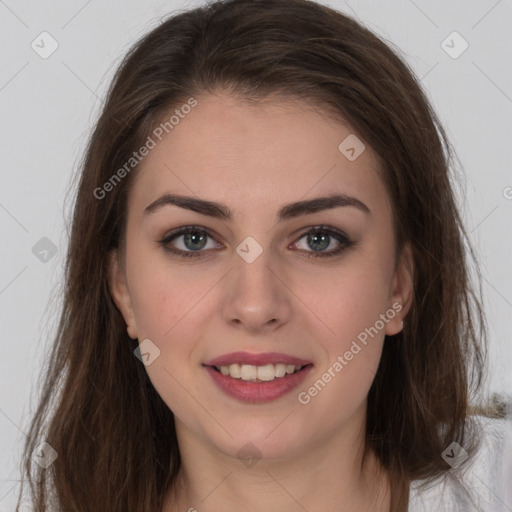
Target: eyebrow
289	211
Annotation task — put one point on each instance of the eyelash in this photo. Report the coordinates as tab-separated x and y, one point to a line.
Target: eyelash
341	237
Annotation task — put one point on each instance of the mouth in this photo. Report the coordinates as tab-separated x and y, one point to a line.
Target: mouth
257	378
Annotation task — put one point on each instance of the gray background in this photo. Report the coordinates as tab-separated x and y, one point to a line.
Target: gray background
48	107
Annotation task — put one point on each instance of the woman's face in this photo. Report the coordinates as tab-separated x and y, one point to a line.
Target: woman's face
258	293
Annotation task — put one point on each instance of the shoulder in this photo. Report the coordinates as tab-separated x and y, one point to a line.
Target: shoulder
485	481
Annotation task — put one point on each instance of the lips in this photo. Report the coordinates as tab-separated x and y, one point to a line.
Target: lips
231	373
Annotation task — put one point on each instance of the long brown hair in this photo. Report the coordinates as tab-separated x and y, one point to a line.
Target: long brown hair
115	438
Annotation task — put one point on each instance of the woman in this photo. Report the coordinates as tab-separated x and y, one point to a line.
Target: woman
268	303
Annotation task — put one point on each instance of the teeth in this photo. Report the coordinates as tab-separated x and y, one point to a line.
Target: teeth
266	373
248	372
280	370
234	370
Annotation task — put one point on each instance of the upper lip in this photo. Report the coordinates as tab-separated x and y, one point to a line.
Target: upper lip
256	359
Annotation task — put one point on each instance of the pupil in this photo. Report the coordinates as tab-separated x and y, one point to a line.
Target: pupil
312	239
194	238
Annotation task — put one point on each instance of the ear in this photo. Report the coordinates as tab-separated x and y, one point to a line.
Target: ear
402	290
120	293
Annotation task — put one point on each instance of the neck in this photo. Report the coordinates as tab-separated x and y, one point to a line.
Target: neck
331	475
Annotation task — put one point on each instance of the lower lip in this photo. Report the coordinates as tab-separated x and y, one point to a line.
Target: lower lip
258	392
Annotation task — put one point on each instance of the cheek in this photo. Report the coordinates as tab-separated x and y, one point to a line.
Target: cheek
355	306
348	300
169	305
344	379
167	317
171	319
156	310
162	294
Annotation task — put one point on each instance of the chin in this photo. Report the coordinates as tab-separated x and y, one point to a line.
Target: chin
261	439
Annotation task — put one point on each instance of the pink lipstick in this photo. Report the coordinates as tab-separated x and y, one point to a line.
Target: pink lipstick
257	378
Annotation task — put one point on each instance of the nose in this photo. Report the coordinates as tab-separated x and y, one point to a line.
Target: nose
256	296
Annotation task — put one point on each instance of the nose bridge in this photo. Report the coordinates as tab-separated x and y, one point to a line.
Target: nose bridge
253	267
256	293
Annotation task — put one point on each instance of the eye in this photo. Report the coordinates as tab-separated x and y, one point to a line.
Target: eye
322	237
194	239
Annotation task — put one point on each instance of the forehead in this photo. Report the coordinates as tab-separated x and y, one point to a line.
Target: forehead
257	156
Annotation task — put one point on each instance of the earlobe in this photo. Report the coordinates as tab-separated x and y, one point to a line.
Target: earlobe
402	290
120	293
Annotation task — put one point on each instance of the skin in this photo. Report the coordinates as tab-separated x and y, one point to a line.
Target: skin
255	160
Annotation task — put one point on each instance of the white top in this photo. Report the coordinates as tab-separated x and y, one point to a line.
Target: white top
487	479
